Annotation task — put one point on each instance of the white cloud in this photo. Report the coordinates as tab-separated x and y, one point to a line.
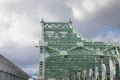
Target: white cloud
20	27
20	32
32	70
3	3
81	9
77	10
89	5
18	37
108	36
78	13
104	3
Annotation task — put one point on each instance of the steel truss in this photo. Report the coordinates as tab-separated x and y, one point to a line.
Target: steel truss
66	55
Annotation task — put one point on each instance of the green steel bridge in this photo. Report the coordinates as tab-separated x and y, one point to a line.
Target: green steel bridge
67	55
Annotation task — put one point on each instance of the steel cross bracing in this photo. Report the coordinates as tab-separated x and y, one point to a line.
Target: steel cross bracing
66	55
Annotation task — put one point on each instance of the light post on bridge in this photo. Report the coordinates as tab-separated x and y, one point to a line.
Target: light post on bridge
41	73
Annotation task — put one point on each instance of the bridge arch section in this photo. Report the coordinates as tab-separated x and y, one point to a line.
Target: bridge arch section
67	55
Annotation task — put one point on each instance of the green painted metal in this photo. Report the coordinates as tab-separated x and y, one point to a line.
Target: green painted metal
67	55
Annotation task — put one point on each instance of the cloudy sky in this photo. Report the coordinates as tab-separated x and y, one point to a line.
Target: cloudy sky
97	20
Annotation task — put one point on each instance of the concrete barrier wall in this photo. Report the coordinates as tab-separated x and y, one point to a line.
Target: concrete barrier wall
9	71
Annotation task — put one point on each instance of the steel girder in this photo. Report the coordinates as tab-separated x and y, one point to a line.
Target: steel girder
66	55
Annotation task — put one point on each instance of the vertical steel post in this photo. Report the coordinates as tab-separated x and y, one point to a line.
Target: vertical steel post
43	63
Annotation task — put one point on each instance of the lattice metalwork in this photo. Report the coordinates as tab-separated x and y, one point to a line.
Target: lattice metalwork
66	55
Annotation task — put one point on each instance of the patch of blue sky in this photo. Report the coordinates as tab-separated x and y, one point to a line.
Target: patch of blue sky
34	75
111	29
105	31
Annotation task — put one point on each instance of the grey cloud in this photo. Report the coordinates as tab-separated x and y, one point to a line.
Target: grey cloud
36	9
101	19
94	22
31	11
21	55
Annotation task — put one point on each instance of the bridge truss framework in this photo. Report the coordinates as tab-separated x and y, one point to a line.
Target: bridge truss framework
67	55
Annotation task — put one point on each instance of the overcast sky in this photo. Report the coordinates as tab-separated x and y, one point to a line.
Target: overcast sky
97	20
